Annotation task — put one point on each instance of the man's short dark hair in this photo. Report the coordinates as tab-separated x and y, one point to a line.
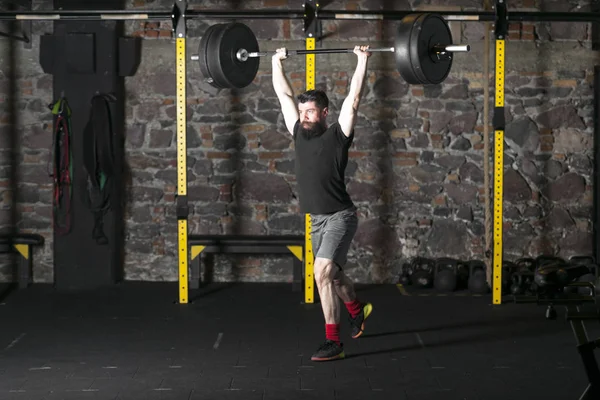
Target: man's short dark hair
318	96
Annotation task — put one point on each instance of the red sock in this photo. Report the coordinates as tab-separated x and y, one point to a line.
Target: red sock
332	332
354	308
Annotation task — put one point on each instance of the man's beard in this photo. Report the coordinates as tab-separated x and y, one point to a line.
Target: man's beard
313	129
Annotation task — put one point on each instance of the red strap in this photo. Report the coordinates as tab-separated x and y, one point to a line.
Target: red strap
62	176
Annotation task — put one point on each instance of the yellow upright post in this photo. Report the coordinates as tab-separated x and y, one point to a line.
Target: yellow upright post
182	202
499	125
310	64
498	176
309	278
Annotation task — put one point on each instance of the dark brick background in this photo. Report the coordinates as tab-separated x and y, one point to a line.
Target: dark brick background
416	170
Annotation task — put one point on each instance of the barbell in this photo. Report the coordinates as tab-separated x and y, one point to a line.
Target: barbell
229	53
438	51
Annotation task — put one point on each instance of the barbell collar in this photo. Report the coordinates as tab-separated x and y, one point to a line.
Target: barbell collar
458	48
255	54
242	55
444	53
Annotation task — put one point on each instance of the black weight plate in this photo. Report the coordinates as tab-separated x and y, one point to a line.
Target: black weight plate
433	30
213	59
402	49
203	56
416	54
415	38
223	45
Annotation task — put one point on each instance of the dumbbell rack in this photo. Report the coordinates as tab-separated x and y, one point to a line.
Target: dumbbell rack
577	318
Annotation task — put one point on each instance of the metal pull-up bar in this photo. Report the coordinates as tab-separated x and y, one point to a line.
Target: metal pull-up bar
466	16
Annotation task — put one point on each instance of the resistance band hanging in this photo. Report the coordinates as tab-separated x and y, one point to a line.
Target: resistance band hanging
99	162
62	168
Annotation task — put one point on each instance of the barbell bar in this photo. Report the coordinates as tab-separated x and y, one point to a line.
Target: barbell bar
228	53
243	54
159	15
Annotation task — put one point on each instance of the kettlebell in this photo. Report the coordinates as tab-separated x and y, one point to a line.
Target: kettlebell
422	275
405	274
445	279
477	277
526	267
517	287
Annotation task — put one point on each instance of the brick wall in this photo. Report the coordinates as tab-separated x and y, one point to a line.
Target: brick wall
416	167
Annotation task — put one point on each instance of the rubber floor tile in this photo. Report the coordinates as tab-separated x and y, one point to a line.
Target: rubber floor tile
321	394
226	395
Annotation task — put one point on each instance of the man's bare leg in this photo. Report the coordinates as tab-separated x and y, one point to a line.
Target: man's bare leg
332	349
325	271
344	287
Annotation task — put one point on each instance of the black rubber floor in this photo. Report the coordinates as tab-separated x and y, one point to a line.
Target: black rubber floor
254	341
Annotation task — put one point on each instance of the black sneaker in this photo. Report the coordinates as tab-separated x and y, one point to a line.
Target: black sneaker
358	324
328	351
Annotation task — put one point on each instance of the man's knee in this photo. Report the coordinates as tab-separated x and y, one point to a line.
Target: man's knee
325	270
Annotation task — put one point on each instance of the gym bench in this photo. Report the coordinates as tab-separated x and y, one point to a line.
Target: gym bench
552	280
577	317
247	244
22	244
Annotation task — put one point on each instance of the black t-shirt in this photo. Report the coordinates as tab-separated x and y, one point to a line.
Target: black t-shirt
320	170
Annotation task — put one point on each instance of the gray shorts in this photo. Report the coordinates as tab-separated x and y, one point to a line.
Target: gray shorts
332	234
